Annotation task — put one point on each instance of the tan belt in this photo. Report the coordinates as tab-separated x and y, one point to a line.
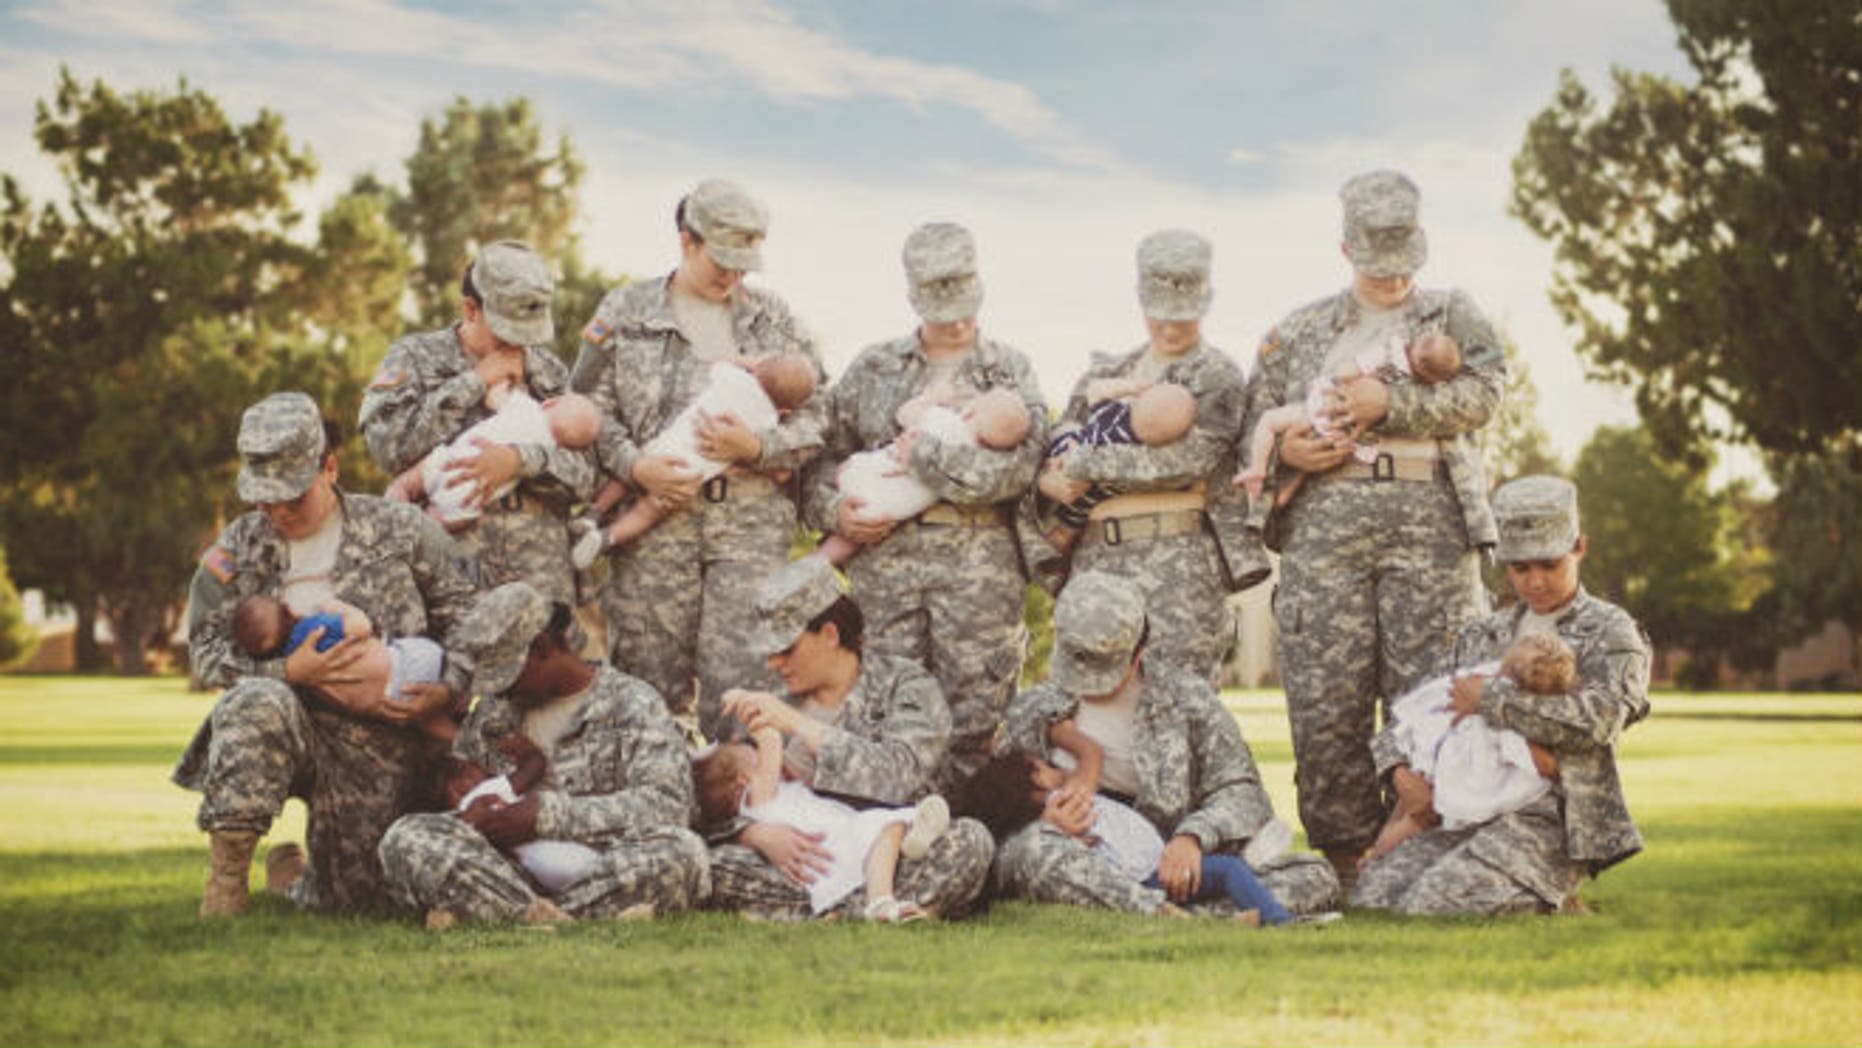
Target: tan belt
1146	503
518	502
726	486
1389	467
1143	527
949	514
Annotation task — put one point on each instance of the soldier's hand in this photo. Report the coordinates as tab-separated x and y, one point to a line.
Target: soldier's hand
725	438
758	710
505	825
1464	696
1180	870
667	478
1414	794
321	669
798	854
1056	485
417	703
1070	812
501	367
1304	449
494	466
854	523
1359	402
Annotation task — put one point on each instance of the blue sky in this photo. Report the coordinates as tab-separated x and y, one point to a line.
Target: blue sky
1060	132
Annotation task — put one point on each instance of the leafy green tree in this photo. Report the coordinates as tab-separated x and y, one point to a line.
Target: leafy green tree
1661	544
17	640
1816	541
482	172
141	315
1706	234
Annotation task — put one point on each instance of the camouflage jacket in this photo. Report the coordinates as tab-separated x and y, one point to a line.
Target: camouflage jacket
394	563
1196	774
862	410
1293	355
426	393
890	737
640	369
619	771
1581	728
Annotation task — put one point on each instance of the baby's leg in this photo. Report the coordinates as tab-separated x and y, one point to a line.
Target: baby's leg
407	487
882	862
1544	761
637	521
607	498
1272	425
1227	876
837	549
1405	821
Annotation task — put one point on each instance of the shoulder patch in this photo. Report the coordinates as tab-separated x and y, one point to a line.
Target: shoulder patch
388	377
1271	342
218	562
597	332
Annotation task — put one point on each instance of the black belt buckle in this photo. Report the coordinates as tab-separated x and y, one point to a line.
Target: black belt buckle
716	488
1383	467
1111	531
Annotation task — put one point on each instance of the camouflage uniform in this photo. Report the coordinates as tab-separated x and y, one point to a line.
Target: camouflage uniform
1186	577
619	782
678	600
943	588
261	744
1532	859
1376	574
425	394
1196	777
887	741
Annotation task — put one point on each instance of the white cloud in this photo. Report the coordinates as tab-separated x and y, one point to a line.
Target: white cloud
1239	155
157	21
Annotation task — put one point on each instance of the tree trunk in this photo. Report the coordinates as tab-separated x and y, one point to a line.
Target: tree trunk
87	657
133	625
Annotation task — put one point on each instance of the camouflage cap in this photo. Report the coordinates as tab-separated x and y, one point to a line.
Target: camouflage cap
1173	275
1098	620
789	600
497	632
515	285
730	222
1382	238
940	272
1538	518
280	447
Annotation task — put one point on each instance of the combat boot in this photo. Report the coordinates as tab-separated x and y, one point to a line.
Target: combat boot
229	864
284	864
1345	863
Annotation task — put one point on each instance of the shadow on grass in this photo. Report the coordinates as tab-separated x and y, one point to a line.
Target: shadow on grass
105	948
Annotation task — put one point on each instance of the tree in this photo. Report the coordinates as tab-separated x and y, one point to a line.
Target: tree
1662	545
1816	541
1707	245
140	318
17	640
480	173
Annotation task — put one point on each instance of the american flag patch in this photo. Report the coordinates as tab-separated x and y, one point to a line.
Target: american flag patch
596	332
218	562
388	378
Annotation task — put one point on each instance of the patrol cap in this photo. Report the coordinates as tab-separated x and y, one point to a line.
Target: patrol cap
1173	275
280	447
940	272
789	600
514	284
496	633
730	222
1382	238
1538	518
1098	621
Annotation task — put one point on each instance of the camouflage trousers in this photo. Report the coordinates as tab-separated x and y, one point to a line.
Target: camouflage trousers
679	601
1513	864
1042	863
947	881
261	745
1185	598
949	597
528	544
1375	580
435	861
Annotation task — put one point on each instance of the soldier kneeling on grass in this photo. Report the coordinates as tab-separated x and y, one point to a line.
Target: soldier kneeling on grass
1532	859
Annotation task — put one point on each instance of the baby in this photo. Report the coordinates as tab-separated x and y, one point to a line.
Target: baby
883	481
1430	359
569	421
1124	411
264	627
552	864
1478	772
864	846
1013	790
759	392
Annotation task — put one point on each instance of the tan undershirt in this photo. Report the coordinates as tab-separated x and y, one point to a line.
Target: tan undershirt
1108	722
707	325
310	581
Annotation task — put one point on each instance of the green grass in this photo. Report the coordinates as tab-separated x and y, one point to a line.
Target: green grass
1741	924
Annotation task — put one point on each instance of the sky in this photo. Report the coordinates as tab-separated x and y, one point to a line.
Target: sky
1059	132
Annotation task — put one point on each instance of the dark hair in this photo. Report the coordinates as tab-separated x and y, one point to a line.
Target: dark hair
252	622
556	631
1001	795
846	618
467	289
332	435
714	784
678	221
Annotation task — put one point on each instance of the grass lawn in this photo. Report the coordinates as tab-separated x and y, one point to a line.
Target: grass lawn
1741	924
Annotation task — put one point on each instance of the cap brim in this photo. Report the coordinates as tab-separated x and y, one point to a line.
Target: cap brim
497	678
741	259
1080	676
540	331
1383	264
1547	549
764	642
947	310
253	487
